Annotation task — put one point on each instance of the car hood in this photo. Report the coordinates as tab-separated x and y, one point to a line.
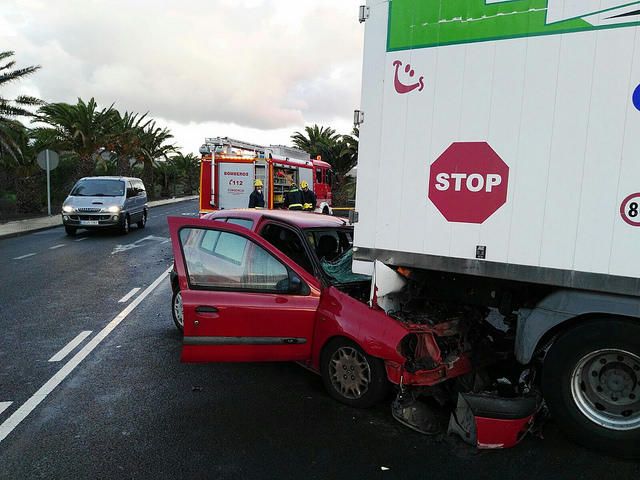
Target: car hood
93	202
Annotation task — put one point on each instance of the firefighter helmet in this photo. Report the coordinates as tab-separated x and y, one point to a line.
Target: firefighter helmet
257	183
304	184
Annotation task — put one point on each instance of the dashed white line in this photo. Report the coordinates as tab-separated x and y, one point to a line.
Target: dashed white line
56	246
70	346
25	256
26	408
81	239
129	295
4	406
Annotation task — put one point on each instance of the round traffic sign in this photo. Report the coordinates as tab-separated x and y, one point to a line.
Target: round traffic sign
630	209
53	159
468	182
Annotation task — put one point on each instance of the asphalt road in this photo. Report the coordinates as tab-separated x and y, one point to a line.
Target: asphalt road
129	409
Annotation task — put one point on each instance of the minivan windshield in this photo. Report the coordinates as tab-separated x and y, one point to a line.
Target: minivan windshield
98	188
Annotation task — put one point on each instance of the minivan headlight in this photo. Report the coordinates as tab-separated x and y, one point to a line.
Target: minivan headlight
68	209
113	209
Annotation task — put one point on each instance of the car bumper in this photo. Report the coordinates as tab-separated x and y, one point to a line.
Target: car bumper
95	220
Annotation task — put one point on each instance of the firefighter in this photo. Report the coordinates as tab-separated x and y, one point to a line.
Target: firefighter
308	197
293	198
256	199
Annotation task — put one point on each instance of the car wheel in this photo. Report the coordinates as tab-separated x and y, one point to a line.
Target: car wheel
71	231
591	382
126	225
351	376
177	310
143	220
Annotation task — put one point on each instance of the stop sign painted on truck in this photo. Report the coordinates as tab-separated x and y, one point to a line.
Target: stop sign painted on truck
468	182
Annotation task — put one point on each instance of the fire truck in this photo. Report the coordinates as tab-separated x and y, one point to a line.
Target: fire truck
229	168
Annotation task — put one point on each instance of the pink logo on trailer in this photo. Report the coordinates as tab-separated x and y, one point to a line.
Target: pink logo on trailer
402	88
468	183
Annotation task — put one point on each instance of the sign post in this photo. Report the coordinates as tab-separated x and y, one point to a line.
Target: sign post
48	160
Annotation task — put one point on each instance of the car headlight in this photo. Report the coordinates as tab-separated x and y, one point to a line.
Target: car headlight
68	209
113	209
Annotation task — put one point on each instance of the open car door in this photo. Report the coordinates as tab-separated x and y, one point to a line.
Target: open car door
242	299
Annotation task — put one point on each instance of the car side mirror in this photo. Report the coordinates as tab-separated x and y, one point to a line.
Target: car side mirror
295	283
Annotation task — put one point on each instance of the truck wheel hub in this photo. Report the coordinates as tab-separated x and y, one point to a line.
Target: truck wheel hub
605	388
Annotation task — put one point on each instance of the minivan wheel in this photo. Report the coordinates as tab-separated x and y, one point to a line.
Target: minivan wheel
71	231
591	383
177	310
351	376
126	225
143	220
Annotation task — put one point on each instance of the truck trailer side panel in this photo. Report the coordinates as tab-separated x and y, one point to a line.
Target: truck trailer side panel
556	103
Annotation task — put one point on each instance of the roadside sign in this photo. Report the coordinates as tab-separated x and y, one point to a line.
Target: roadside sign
468	182
54	159
48	160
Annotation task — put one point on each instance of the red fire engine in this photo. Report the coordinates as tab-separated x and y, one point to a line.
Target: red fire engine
229	168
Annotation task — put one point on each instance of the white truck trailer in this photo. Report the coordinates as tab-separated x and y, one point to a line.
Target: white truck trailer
499	170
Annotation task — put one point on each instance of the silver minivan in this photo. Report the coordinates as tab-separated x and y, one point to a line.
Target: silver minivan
105	202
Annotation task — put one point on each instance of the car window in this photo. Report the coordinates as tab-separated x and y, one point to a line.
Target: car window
224	260
330	244
289	243
242	222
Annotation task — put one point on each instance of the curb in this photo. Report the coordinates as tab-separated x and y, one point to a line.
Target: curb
58	220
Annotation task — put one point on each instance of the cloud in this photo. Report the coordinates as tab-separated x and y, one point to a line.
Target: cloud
266	65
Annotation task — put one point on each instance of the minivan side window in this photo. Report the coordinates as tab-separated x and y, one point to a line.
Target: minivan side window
131	191
139	186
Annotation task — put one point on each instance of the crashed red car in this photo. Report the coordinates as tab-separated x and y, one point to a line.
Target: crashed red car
257	285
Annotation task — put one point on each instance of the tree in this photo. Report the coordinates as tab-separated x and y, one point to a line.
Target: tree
188	167
318	141
153	147
81	129
126	139
11	109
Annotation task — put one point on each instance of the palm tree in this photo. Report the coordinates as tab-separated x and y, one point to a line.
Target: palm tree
166	173
11	109
188	167
318	140
126	139
81	129
153	147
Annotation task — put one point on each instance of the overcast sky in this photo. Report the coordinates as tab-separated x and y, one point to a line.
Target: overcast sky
256	70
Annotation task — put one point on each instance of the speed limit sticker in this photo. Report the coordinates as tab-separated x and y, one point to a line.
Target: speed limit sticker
630	209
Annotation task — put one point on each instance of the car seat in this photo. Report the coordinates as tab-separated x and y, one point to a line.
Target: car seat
327	247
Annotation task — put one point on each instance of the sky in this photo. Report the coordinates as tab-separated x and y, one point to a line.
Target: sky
255	70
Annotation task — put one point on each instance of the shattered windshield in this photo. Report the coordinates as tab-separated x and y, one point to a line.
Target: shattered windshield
333	248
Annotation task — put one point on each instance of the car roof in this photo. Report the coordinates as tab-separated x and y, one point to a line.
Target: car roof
299	219
105	177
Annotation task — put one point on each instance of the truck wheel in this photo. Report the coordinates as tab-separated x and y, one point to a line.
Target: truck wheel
351	376
591	384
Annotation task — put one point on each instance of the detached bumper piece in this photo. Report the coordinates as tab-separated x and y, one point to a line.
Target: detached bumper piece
489	421
417	415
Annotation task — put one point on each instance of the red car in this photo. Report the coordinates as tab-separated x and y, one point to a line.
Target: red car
265	285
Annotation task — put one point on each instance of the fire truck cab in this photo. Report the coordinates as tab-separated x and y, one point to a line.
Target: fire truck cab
229	168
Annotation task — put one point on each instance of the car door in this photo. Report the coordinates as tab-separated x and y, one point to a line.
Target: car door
243	300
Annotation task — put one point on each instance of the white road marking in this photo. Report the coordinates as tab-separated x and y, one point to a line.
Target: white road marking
81	239
70	346
25	256
4	406
137	243
26	408
129	295
56	246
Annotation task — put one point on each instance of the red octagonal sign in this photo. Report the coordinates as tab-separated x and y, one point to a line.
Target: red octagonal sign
468	182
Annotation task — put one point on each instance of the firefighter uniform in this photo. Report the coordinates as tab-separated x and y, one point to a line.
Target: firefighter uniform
256	199
293	198
308	196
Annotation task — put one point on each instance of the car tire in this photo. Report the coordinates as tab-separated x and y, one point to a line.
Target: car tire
71	231
177	310
126	225
143	221
351	376
590	382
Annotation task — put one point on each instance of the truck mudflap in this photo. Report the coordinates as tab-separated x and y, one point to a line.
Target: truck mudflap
489	421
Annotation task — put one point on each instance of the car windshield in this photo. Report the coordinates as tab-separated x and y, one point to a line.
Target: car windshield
98	188
333	248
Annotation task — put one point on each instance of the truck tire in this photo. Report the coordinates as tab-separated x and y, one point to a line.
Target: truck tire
590	381
351	376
